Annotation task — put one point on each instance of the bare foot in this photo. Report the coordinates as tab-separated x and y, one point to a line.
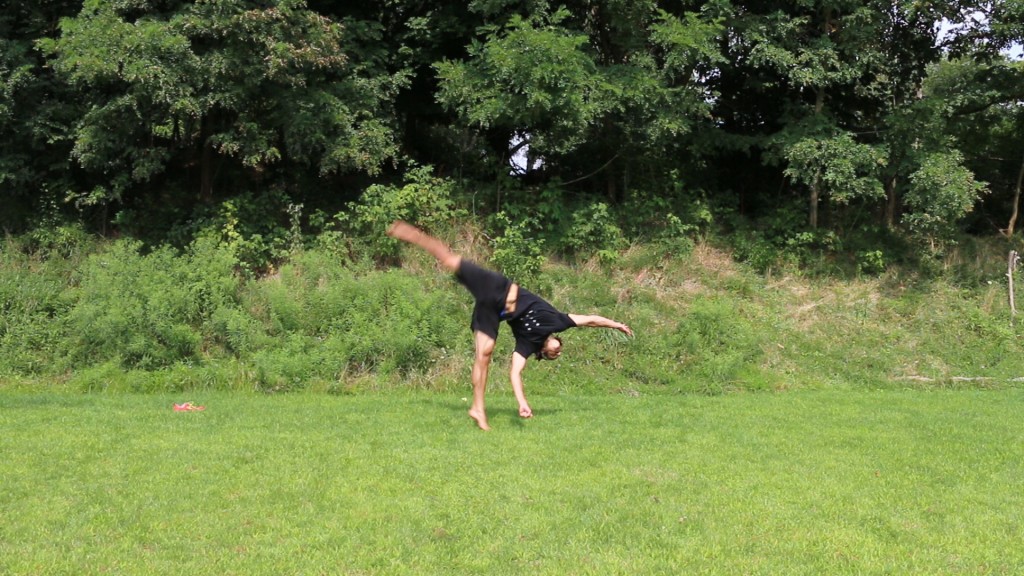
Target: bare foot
402	230
481	419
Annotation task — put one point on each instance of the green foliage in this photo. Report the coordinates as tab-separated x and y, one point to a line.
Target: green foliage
676	237
146	311
942	191
672	221
251	228
570	82
594	231
647	123
841	167
532	72
129	114
258	85
782	241
113	316
517	251
319	321
871	262
758	252
120	309
33	304
687	47
423	199
53	240
16	78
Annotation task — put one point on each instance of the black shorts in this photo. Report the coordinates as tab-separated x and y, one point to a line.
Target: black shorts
489	290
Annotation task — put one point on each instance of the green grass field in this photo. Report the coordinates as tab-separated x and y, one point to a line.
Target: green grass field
805	482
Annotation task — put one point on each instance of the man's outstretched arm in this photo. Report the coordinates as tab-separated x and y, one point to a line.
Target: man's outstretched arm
516	376
593	321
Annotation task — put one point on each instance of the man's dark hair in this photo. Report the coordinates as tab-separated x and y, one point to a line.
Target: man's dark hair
540	353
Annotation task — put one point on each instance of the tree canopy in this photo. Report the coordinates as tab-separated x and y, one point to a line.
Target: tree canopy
818	116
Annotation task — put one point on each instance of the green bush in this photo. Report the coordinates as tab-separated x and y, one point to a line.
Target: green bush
236	331
595	232
518	253
256	230
32	311
675	237
871	262
759	252
60	241
669	220
147	311
424	200
111	316
324	321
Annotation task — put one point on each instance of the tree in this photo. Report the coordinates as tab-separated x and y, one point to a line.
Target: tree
835	163
590	88
530	76
985	100
941	192
228	87
35	110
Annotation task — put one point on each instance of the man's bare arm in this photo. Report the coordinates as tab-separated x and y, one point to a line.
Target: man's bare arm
593	321
516	376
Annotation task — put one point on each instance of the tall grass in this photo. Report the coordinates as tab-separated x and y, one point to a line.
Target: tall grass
114	315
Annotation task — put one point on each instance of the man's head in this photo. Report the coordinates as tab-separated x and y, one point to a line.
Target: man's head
552	348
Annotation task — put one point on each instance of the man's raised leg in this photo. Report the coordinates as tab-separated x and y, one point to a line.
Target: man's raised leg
408	233
481	363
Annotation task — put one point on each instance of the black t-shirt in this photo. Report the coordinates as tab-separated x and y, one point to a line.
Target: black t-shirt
534	320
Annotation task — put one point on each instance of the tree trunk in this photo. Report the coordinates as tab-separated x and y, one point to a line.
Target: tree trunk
819	107
1016	201
891	203
815	195
206	163
206	174
1010	268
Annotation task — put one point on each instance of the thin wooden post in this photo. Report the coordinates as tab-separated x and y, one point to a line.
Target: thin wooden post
1010	268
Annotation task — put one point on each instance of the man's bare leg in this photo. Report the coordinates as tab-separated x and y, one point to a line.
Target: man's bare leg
481	364
438	249
483	343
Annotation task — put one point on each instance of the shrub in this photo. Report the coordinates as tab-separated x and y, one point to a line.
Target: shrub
670	220
871	262
594	232
147	311
62	241
757	251
321	321
424	200
675	237
517	253
256	230
32	307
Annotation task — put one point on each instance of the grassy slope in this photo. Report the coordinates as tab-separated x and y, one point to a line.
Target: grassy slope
813	482
708	325
704	324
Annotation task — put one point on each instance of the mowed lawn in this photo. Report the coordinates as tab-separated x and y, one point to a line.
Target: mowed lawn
835	482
